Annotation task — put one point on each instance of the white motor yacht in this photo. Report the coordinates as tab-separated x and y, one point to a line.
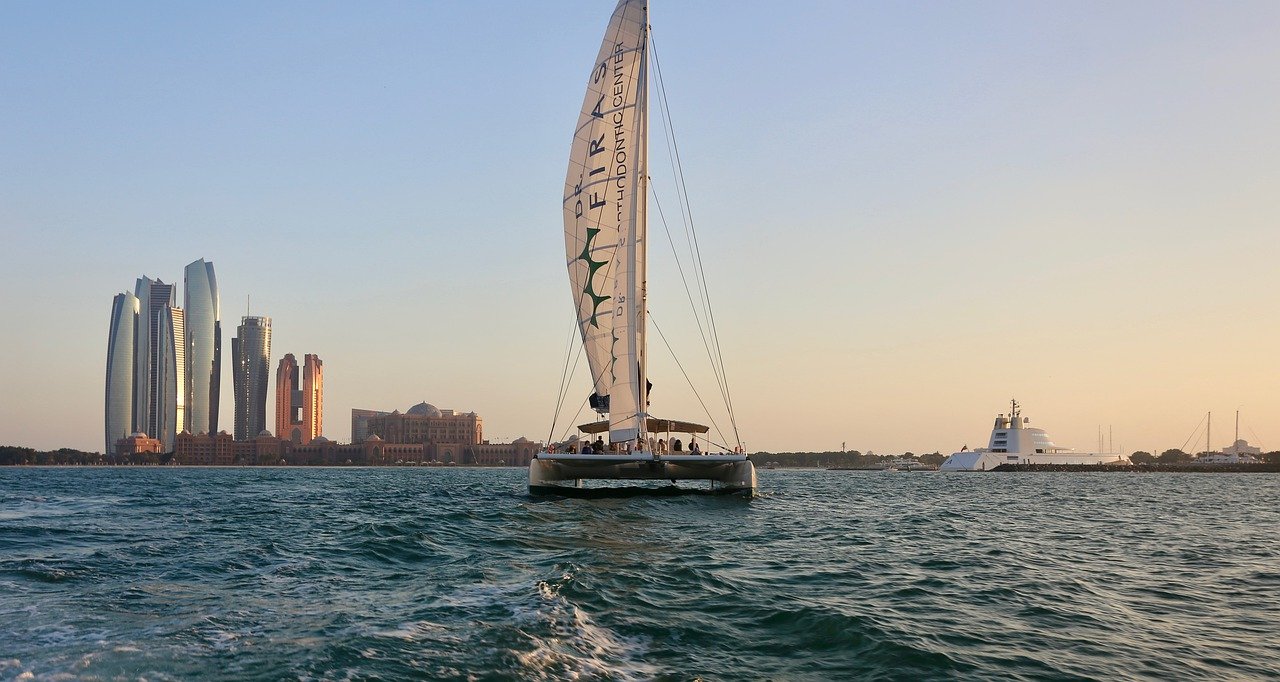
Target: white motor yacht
1014	442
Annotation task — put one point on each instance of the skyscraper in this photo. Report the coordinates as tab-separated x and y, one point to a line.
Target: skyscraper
204	345
160	386
251	367
171	363
120	377
288	400
300	411
312	397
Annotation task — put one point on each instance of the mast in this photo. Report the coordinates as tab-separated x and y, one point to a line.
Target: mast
627	372
641	240
1208	431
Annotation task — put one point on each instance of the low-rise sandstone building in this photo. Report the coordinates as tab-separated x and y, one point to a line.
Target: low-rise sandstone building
138	443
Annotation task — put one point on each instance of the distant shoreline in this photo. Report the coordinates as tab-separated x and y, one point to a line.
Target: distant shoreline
262	466
1094	468
1147	468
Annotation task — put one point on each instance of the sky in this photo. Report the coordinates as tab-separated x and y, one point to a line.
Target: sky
908	213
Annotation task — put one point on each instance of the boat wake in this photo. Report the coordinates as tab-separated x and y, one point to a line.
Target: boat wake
572	645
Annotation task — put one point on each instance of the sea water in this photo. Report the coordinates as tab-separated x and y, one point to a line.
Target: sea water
444	573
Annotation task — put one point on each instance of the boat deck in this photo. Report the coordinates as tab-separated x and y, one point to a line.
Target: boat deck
550	472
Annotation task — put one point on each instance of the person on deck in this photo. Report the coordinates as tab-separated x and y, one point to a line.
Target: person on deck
693	449
676	445
662	447
599	446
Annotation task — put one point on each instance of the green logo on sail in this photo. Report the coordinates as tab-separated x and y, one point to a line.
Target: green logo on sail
592	266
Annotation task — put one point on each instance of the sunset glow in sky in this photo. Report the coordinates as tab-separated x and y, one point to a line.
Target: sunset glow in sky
908	213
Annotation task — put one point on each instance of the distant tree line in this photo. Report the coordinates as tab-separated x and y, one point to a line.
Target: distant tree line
1176	456
13	455
850	459
853	459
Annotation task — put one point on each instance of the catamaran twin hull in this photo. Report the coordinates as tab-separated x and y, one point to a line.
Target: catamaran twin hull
556	472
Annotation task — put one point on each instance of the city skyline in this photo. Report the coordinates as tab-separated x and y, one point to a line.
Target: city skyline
918	212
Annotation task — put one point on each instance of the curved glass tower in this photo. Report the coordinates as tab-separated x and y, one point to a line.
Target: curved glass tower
120	356
250	360
204	345
153	352
171	364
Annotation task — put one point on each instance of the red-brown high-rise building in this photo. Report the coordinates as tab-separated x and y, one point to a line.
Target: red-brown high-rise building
286	384
312	397
300	409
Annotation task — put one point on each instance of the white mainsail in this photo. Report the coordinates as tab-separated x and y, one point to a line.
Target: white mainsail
604	221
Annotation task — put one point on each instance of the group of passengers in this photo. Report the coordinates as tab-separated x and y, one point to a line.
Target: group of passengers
660	447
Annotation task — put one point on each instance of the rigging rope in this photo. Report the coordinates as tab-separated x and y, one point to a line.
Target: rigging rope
686	211
566	374
1193	435
686	376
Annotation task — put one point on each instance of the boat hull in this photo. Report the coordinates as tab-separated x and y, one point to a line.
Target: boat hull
986	461
557	473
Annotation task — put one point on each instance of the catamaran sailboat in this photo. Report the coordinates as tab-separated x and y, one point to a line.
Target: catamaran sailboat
606	239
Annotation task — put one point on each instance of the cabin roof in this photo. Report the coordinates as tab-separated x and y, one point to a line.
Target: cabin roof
653	425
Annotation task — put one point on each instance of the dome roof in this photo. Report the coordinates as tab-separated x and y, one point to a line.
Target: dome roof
424	410
264	432
373	438
522	439
320	439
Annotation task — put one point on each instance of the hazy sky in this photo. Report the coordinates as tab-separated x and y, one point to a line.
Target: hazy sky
908	213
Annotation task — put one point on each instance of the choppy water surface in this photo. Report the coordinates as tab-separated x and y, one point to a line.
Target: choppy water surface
395	573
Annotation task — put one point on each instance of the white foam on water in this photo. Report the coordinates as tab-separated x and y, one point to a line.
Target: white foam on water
418	631
579	647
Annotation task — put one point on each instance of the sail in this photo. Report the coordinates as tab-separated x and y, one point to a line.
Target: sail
604	218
